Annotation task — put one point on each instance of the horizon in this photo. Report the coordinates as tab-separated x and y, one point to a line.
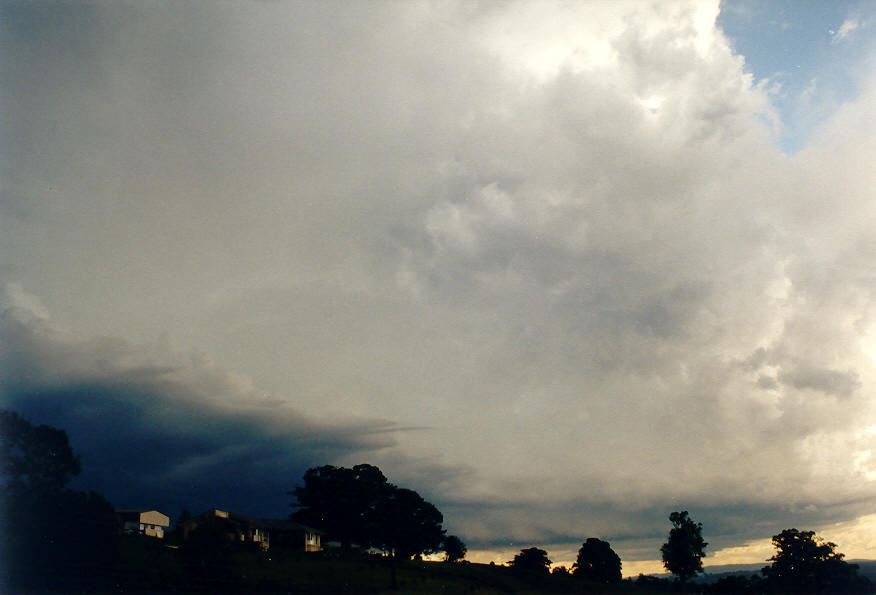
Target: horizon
561	268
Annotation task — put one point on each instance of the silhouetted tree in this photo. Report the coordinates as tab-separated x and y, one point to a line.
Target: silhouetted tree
533	560
597	562
454	549
406	524
559	571
340	501
683	553
360	506
50	536
37	460
805	563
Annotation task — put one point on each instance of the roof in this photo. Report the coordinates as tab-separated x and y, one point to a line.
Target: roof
269	524
284	525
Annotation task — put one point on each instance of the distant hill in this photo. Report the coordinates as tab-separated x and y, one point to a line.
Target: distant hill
867	568
719	571
714	573
734	568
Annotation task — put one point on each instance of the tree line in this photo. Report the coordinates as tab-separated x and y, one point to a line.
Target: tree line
54	537
360	506
803	563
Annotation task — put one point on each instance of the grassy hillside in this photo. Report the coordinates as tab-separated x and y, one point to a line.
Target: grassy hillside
148	566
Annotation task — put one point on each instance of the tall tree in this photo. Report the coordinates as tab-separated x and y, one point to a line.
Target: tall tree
341	501
597	562
683	553
360	506
531	559
407	525
805	563
34	459
454	549
45	526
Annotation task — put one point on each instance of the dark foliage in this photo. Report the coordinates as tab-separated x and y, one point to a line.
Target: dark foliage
360	506
597	562
736	584
406	524
684	551
34	459
654	584
52	537
340	501
805	563
454	549
533	560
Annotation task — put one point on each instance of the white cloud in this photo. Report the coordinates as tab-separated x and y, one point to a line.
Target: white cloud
475	219
13	295
845	30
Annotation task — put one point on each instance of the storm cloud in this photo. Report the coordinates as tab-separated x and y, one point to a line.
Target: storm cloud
557	241
164	429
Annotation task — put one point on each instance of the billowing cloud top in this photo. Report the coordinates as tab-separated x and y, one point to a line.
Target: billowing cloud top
557	238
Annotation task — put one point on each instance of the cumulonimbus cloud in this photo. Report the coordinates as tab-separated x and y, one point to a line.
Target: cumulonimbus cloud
565	242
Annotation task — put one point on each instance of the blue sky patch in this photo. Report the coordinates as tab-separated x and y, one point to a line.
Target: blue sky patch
811	53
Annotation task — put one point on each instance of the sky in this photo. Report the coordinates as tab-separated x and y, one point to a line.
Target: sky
561	267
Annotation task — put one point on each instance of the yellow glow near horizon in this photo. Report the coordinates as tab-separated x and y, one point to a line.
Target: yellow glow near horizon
628	568
487	556
634	568
856	539
755	552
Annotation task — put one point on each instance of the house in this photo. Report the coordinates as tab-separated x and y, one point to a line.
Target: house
143	522
263	532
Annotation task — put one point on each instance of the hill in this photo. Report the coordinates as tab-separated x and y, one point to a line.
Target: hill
148	566
715	573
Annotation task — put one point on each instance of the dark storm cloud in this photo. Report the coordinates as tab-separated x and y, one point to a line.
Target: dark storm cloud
185	433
